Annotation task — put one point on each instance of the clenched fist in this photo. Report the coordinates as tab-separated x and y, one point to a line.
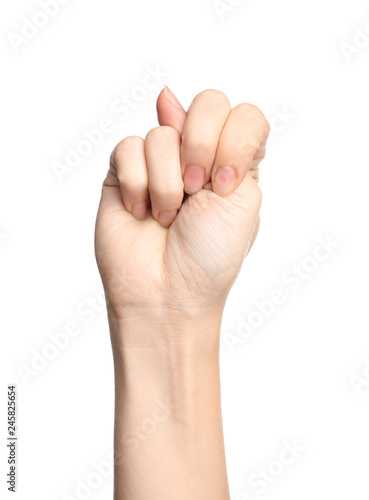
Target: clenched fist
156	245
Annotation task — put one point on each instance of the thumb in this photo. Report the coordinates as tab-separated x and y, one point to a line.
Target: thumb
170	111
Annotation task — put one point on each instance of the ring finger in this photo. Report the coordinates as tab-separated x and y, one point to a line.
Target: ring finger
204	123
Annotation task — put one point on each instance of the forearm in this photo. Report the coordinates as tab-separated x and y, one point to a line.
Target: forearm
168	427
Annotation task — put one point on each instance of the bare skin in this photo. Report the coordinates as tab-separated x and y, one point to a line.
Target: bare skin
167	266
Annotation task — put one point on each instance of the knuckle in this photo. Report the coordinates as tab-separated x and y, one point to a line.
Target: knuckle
249	109
215	96
254	112
198	144
161	133
131	186
256	115
129	142
172	195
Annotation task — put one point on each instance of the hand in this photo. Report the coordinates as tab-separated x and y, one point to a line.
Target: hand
181	255
167	264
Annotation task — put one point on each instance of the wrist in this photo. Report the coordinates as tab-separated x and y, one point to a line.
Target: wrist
161	358
162	325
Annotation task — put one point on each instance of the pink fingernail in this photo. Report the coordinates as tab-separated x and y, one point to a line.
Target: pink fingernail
225	179
193	179
166	217
139	209
172	98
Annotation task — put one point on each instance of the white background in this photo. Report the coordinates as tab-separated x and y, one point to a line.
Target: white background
292	378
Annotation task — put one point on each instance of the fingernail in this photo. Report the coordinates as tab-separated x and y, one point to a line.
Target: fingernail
139	209
193	179
225	179
172	98
166	217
